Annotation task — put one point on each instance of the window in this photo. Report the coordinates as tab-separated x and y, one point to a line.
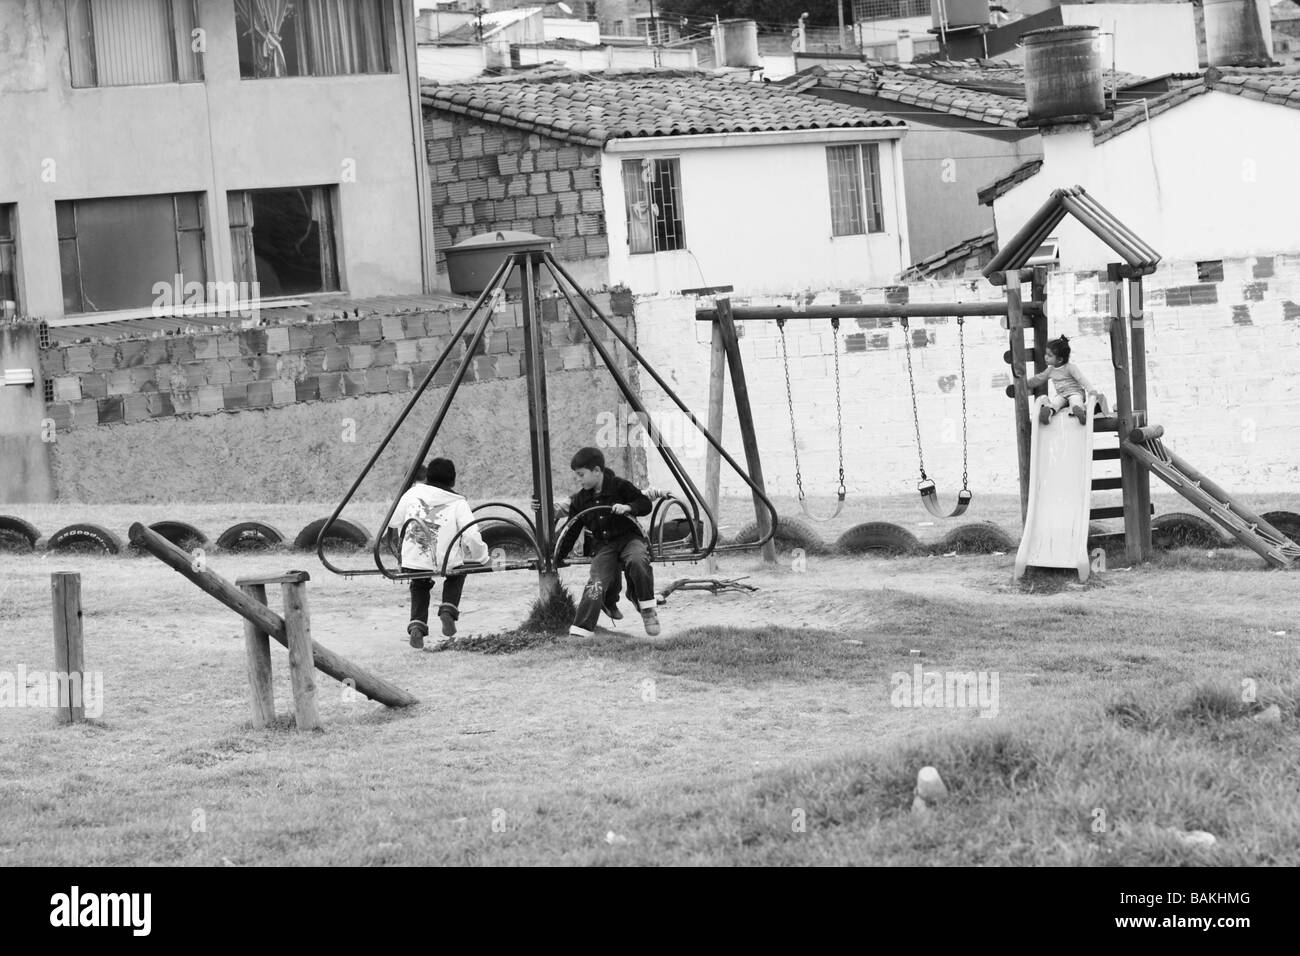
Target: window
653	195
8	263
132	42
113	251
312	37
854	174
283	239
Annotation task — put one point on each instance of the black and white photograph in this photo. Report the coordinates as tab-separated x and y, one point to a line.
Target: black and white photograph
650	433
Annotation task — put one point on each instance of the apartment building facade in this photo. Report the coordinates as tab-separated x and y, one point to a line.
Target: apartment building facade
153	150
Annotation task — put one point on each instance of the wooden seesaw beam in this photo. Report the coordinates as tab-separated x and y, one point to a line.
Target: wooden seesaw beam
266	620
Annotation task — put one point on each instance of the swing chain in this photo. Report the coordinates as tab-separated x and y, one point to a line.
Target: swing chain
961	351
789	400
839	404
911	384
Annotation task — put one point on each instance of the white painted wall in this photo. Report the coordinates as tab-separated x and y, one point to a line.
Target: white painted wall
777	66
566	28
758	218
1227	392
1212	178
1149	39
452	64
608	57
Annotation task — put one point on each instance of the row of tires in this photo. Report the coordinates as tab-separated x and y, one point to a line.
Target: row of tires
84	537
1168	531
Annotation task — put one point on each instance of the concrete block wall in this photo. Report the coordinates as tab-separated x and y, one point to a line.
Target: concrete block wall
487	178
1222	375
245	391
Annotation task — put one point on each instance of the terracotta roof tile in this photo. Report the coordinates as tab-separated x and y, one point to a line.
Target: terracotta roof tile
951	256
1017	176
595	110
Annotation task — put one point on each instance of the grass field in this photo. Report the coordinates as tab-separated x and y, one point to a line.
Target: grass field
763	728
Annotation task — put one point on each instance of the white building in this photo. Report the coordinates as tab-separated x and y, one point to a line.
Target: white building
1205	170
664	183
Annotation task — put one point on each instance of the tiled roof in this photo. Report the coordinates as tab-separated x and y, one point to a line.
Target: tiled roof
952	256
915	90
592	112
1013	178
987	91
1277	85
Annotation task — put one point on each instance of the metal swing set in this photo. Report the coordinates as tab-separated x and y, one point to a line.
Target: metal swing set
926	486
548	540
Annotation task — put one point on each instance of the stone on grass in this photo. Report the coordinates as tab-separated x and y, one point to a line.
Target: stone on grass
1272	714
1194	837
930	786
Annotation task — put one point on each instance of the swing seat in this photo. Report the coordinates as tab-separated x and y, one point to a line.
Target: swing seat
930	498
839	506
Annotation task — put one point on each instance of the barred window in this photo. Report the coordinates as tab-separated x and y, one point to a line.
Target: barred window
854	176
653	198
132	42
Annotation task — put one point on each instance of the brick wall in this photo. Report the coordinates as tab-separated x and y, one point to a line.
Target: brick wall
487	178
1223	379
136	380
258	414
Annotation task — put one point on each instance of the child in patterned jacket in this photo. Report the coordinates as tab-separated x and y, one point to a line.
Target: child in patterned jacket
428	516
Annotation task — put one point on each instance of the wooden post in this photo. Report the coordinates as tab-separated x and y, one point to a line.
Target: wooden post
1137	322
717	406
1016	329
257	647
731	343
1128	466
69	657
302	665
340	668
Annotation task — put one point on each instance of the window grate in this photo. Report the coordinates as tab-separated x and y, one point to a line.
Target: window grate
653	199
853	175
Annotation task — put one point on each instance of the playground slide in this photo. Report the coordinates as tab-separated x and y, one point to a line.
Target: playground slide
1060	494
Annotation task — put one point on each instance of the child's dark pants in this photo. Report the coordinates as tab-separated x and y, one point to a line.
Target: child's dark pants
629	553
422	588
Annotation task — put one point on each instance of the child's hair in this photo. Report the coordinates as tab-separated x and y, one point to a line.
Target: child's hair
1061	346
588	458
441	473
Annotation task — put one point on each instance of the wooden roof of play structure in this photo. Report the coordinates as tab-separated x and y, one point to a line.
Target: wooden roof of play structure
1139	258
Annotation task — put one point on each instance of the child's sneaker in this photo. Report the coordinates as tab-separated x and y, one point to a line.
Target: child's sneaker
416	632
612	610
1045	415
1079	412
651	621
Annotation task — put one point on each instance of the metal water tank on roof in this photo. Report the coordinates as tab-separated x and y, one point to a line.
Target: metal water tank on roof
1063	74
949	14
738	43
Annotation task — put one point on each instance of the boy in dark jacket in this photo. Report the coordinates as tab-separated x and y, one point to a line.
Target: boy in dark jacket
619	542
